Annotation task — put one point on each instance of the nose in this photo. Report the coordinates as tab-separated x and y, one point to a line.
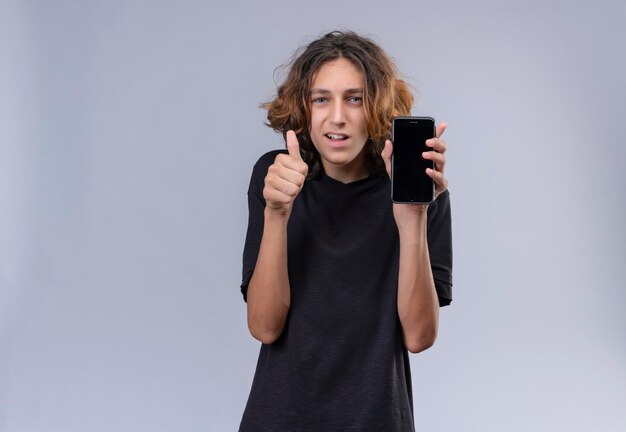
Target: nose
338	115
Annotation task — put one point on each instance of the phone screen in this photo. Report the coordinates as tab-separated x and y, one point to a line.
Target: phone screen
409	181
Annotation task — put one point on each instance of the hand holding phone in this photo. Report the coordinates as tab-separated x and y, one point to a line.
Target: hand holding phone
409	182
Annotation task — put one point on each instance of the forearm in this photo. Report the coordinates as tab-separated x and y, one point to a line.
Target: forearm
268	296
418	305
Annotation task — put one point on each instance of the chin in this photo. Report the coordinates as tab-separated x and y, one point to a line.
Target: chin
338	160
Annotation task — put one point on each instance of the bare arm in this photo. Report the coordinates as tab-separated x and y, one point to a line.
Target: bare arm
418	304
268	296
268	291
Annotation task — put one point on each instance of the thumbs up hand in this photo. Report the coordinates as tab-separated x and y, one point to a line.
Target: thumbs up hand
285	178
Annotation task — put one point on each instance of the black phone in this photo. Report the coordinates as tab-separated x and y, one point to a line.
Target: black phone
409	182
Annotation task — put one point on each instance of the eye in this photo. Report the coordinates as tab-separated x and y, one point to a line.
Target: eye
355	99
320	100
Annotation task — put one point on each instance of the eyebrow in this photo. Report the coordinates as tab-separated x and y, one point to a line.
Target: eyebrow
348	91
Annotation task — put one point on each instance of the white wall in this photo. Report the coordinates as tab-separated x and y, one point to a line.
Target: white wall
128	130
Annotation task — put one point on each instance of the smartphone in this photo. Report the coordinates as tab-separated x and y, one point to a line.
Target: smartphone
409	182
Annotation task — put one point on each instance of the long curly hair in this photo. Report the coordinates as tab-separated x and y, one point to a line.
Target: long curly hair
385	95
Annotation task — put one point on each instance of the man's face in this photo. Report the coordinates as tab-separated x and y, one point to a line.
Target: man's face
338	126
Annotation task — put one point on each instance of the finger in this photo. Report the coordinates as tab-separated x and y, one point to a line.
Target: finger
438	158
437	144
276	199
291	175
441	183
386	155
292	145
281	186
440	129
291	163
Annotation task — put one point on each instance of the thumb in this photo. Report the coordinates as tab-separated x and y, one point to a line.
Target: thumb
292	145
386	155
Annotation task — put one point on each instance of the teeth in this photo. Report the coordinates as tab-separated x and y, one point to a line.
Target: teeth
335	137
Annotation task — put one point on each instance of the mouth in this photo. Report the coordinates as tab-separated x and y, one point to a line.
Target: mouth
336	136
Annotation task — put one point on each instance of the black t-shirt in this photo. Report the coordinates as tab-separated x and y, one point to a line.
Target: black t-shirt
340	363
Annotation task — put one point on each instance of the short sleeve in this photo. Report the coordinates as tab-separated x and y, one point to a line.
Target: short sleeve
440	246
256	207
